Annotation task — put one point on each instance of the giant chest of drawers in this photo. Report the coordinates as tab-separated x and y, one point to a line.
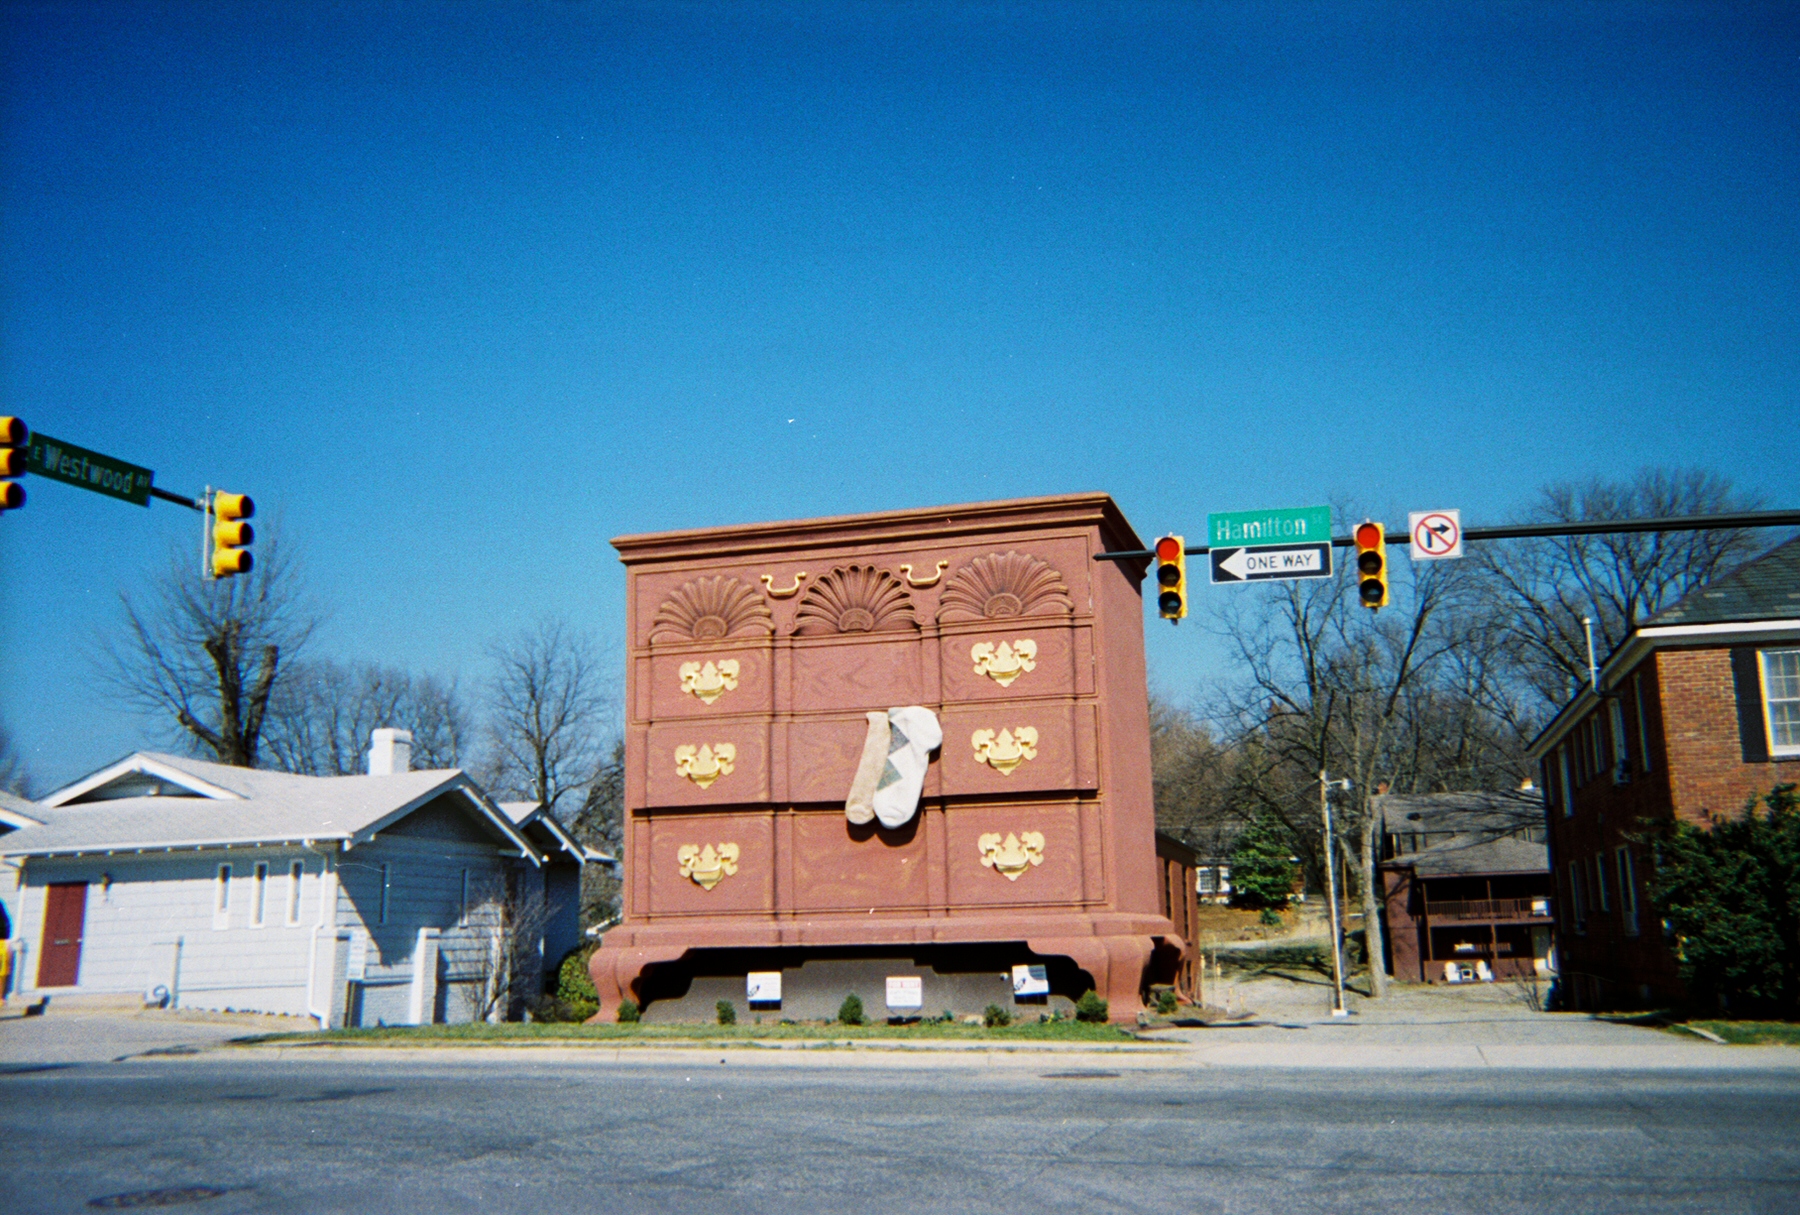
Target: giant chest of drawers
755	655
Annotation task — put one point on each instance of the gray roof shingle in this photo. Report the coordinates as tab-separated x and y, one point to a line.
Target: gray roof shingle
1766	588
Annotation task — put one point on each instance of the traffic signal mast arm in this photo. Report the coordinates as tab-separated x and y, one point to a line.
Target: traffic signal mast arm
1603	527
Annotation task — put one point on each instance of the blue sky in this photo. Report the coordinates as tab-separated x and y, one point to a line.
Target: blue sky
460	291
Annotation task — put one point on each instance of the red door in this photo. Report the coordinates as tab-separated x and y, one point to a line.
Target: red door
65	914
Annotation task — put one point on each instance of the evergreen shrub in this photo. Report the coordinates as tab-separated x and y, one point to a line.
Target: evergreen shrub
994	1017
1262	868
727	1012
629	1011
850	1012
1091	1008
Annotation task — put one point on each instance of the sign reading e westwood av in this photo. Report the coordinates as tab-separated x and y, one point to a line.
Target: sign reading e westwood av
1264	528
74	465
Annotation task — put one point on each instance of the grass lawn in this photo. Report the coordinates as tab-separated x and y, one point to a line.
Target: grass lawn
1753	1033
552	1031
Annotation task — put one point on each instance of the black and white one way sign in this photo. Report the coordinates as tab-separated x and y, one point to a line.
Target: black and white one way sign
1268	564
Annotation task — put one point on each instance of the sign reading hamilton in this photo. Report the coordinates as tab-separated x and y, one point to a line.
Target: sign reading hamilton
74	465
1266	545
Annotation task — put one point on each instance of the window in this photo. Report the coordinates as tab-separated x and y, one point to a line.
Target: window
1621	767
462	917
1600	883
384	893
259	893
222	898
1627	891
1637	685
1577	899
1568	791
295	872
1781	700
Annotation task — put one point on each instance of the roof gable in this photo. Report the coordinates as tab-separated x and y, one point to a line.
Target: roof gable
143	774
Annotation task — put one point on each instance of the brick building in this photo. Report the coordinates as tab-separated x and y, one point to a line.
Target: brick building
1696	712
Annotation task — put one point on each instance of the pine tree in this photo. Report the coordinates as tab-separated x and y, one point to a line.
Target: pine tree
1262	867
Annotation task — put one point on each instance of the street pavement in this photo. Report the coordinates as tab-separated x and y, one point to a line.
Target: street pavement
231	1131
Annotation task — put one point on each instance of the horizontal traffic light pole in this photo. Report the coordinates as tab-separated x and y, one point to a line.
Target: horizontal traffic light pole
1601	527
178	500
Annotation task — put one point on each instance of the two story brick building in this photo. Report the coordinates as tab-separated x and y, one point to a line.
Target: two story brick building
1696	712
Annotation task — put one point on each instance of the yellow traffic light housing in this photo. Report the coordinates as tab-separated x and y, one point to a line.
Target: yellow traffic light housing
14	435
230	536
1171	578
1371	565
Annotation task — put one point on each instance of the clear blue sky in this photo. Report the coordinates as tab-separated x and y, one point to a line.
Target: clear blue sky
460	291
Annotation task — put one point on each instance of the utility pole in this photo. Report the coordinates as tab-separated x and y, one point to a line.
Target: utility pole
1337	949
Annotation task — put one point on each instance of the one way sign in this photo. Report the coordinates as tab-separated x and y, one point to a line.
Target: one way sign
1269	564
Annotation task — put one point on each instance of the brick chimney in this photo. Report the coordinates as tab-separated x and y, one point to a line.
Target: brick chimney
390	751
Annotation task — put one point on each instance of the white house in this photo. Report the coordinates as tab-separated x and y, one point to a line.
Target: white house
353	900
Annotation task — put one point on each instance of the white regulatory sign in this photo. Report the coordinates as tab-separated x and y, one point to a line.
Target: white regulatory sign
905	991
1436	534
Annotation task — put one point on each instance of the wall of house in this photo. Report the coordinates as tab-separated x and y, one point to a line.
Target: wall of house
439	870
154	921
1702	709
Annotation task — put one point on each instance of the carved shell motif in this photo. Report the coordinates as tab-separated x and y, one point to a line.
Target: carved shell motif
855	599
707	608
1000	585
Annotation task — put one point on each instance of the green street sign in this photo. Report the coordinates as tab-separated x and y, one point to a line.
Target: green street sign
74	465
1262	528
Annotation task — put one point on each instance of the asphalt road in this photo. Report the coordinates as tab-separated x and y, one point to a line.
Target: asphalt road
223	1134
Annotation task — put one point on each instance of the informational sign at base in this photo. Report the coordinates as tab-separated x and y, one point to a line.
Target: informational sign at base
1437	535
905	991
1029	980
763	987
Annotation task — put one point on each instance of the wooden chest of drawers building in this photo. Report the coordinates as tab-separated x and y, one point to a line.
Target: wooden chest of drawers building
755	655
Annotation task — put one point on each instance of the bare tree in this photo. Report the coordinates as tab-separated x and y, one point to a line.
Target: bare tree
1543	588
1191	773
502	947
600	823
207	655
15	777
321	715
550	715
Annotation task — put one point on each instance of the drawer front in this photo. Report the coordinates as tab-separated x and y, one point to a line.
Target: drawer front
710	682
1014	662
1033	855
859	674
679	883
676	776
822	754
838	867
1018	747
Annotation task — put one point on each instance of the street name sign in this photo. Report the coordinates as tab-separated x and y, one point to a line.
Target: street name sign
1437	535
1263	528
74	465
1271	563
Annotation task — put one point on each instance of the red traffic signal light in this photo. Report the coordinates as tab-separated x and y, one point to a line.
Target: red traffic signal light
1171	578
1371	565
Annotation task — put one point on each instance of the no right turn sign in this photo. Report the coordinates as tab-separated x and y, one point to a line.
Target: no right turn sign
1436	534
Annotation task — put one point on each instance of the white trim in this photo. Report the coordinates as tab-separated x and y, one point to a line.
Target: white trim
1727	629
138	762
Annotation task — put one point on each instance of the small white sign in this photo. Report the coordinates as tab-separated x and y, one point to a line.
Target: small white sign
1437	535
358	967
1030	981
905	991
763	987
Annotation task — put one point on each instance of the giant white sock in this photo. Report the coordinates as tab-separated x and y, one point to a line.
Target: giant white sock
913	734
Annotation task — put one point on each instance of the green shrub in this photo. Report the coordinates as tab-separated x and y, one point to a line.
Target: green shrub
727	1012
629	1011
1090	1007
994	1016
850	1012
574	984
1166	1002
1730	895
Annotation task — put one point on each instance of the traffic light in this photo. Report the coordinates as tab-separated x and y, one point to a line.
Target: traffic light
1171	578
1371	565
230	534
14	434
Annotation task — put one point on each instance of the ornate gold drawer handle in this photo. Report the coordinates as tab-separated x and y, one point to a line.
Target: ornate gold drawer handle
1013	855
707	867
709	681
768	581
1007	751
925	582
703	764
1007	662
